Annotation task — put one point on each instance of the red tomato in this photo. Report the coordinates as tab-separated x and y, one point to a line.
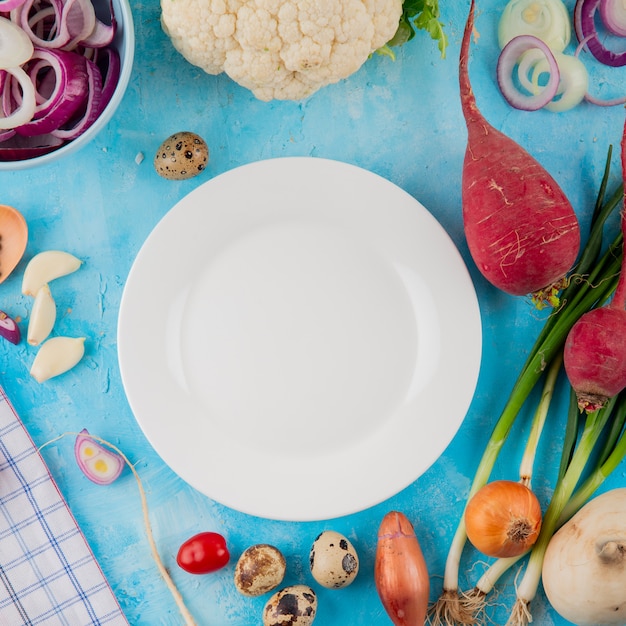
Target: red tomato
203	553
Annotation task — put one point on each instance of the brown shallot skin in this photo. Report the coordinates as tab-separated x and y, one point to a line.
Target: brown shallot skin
400	571
521	229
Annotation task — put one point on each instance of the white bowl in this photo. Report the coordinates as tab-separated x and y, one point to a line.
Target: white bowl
124	42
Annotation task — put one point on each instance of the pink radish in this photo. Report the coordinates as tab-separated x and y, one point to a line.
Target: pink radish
521	229
595	349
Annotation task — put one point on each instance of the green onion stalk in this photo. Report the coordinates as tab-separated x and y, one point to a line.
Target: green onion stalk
592	281
612	451
592	432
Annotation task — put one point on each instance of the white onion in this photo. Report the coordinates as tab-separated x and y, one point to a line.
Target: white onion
546	19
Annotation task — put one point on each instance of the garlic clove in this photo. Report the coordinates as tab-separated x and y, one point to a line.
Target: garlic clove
47	266
56	356
42	317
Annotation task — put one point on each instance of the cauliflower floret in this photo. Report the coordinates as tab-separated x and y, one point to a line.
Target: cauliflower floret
280	49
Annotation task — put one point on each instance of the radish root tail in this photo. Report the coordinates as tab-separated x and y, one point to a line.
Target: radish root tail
180	603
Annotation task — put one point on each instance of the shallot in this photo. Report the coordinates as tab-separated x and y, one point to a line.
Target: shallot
400	571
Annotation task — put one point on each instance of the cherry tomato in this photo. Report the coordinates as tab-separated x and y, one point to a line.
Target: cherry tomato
203	553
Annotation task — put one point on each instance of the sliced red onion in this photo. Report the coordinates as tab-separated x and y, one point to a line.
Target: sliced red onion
110	66
103	34
18	148
9	5
6	134
585	27
25	111
74	20
79	20
510	57
77	126
613	14
15	46
69	93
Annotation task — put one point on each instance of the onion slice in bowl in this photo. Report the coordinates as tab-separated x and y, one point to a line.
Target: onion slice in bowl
15	45
26	109
92	108
511	56
69	92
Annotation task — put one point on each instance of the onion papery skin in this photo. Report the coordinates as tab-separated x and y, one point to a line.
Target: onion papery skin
584	24
596	375
69	93
512	55
546	19
503	519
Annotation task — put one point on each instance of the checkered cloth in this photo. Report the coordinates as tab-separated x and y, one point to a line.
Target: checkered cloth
48	574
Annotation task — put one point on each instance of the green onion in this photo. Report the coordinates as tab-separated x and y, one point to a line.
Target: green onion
593	282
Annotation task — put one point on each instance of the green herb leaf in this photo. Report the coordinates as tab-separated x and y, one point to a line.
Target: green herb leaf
420	15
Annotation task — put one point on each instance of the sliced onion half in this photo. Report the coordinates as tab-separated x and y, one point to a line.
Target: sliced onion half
587	32
511	56
546	19
15	45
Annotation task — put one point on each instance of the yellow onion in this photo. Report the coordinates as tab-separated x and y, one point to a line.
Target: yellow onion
503	519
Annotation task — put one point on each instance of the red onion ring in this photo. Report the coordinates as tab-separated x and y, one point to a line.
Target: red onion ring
613	16
18	148
585	27
510	57
9	5
92	109
68	95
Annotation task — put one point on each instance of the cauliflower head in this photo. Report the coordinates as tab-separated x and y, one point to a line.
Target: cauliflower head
280	49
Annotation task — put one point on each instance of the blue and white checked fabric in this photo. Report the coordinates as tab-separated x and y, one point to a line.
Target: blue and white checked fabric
48	574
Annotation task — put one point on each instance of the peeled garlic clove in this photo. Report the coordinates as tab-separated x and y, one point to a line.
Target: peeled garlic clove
47	266
42	317
56	356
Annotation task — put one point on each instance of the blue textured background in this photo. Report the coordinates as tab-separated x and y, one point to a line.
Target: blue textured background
399	119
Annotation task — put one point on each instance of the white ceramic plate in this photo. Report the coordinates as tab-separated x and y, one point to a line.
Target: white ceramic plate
299	339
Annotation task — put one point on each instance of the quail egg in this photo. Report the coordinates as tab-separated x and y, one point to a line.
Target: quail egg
333	560
295	605
182	155
260	569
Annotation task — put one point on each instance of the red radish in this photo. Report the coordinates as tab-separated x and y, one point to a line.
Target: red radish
595	349
400	571
521	229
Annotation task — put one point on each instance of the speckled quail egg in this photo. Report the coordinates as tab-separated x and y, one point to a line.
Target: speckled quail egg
333	560
291	606
260	569
182	155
